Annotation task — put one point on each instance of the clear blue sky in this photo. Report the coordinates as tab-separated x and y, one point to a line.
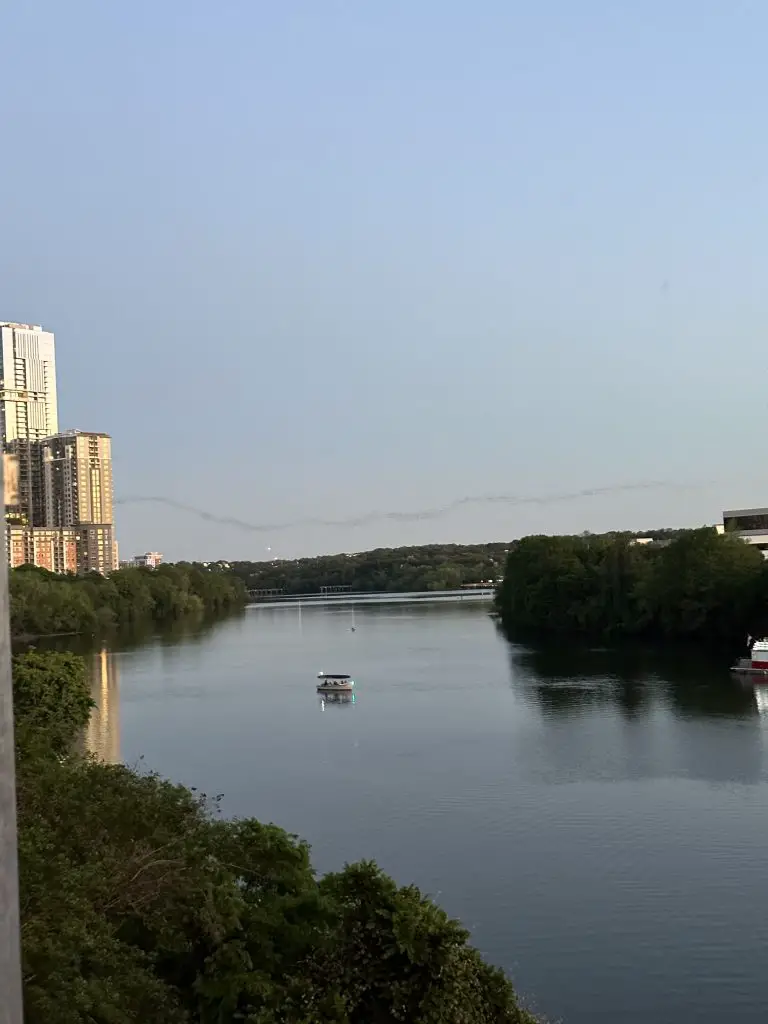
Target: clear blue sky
315	259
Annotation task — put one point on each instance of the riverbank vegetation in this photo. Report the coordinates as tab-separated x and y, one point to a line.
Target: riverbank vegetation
389	570
700	586
139	902
393	570
46	603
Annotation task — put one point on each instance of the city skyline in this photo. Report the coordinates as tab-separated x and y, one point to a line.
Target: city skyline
28	404
425	252
63	519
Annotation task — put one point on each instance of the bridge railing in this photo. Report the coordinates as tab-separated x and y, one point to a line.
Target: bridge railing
319	597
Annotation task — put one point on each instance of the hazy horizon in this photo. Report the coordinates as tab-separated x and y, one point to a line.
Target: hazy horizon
307	262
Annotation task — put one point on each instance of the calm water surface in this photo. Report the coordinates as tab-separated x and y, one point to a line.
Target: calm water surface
598	820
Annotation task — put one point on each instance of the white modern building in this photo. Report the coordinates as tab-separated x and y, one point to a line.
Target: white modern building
28	405
751	524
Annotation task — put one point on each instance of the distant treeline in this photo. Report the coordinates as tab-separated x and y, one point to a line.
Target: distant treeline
431	567
46	603
394	570
698	585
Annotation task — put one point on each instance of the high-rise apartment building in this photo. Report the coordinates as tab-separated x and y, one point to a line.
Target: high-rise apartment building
28	407
28	404
76	486
62	515
76	471
22	456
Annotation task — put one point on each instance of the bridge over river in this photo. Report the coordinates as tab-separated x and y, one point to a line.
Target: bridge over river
339	595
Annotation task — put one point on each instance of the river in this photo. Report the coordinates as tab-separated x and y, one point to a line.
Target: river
597	819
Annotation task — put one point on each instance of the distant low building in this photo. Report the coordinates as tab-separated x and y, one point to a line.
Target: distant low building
149	560
657	542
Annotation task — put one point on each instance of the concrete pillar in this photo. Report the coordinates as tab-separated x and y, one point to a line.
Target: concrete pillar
10	955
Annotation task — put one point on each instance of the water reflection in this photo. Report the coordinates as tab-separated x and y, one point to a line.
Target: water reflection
618	800
760	694
336	700
103	732
567	680
173	638
640	713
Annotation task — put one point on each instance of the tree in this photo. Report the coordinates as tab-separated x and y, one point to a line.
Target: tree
51	700
698	585
397	956
705	585
44	603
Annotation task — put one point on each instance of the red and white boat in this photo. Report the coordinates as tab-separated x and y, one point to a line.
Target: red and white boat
757	662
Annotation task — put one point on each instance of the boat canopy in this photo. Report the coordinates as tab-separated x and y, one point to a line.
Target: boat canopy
333	675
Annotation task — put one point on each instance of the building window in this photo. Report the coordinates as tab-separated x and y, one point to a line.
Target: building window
756	521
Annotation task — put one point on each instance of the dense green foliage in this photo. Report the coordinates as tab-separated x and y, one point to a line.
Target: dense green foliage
140	904
44	603
50	700
700	585
396	570
393	570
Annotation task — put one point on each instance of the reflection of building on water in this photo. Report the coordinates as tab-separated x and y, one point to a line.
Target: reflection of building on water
336	698
761	699
103	733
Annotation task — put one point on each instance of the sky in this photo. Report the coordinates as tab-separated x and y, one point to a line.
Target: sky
309	261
